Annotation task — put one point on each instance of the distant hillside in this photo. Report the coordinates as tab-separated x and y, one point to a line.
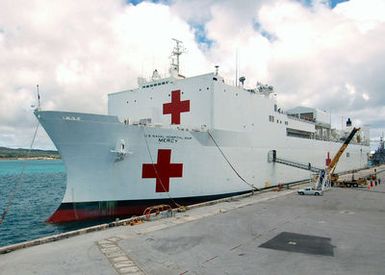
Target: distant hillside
8	153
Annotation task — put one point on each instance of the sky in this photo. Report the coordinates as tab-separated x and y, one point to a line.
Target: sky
324	54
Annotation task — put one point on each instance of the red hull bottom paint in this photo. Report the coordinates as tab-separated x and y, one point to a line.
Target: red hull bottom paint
71	215
72	212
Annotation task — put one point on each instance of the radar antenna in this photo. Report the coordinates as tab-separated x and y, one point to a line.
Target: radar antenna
176	52
38	96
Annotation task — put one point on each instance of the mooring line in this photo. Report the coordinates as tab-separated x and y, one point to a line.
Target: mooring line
156	170
232	167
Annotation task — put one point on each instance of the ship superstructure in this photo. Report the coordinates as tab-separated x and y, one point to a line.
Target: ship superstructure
181	140
378	157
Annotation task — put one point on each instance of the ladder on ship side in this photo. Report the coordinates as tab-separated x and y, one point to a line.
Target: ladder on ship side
323	180
326	176
272	157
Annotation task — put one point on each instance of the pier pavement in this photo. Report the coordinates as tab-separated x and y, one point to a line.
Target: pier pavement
342	232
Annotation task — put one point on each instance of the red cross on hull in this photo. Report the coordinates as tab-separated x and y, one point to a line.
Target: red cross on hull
163	170
176	107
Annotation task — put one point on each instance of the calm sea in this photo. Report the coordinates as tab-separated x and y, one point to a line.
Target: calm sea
37	193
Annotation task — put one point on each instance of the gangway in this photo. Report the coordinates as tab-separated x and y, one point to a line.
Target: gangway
272	157
326	176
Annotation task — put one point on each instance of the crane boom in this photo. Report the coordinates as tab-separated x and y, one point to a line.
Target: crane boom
333	163
326	176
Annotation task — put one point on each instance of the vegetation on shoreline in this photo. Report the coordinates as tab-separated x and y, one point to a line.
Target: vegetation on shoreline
9	153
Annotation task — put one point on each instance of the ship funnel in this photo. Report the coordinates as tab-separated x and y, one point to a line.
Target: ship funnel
242	80
155	75
216	69
348	123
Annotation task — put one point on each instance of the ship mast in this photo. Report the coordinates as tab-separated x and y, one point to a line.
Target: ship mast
38	97
176	52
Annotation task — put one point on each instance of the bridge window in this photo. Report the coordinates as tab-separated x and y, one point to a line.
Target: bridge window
297	133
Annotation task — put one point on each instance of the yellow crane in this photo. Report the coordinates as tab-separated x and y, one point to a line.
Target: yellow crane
327	175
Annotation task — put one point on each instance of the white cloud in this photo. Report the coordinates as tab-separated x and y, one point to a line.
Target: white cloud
322	57
350	88
366	15
365	96
80	51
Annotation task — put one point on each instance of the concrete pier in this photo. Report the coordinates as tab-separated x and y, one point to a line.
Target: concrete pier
342	232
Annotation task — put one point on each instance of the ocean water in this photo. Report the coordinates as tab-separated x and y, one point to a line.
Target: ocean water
37	191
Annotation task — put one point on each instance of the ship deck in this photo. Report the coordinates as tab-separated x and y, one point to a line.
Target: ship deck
341	232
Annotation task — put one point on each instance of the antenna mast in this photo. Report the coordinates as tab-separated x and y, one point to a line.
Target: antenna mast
176	52
38	96
236	68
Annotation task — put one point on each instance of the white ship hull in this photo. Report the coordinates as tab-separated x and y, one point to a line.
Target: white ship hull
168	165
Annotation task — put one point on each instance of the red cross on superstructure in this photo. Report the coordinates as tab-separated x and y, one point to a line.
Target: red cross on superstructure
163	170
175	107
